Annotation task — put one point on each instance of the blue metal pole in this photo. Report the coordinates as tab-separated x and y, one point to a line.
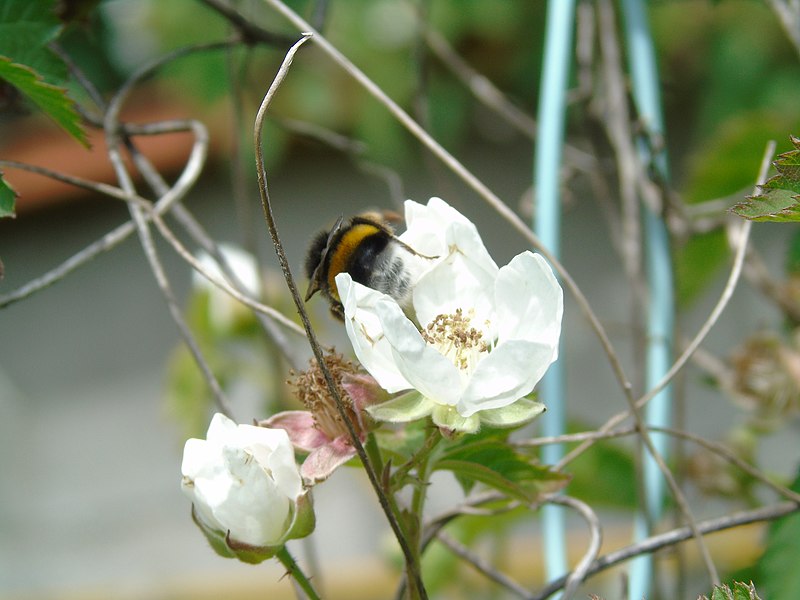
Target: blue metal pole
549	142
661	310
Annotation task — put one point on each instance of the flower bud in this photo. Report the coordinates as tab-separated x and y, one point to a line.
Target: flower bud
247	494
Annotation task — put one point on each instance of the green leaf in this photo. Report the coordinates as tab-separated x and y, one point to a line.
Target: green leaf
402	444
723	164
7	198
487	457
51	99
740	591
779	197
470	472
779	575
27	63
26	27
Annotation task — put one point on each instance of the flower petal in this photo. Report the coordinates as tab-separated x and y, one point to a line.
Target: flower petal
244	484
324	460
222	430
366	333
457	282
426	225
420	364
198	458
255	511
506	374
530	302
301	428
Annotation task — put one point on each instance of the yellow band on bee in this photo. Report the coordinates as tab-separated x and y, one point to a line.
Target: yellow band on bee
345	247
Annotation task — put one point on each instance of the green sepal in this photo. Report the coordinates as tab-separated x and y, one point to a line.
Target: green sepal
303	520
452	424
521	412
402	409
302	523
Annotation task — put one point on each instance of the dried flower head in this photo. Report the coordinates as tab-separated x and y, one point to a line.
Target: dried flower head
320	430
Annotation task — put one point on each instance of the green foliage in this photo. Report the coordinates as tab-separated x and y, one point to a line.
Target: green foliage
732	85
779	576
204	75
697	262
51	99
401	444
604	475
7	198
488	458
779	197
26	27
739	591
237	354
726	165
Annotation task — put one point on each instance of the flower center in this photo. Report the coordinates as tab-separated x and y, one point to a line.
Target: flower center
312	390
456	339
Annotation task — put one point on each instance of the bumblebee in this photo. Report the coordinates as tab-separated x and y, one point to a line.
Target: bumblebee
365	246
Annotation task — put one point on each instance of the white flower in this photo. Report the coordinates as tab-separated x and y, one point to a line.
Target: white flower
483	337
224	310
245	487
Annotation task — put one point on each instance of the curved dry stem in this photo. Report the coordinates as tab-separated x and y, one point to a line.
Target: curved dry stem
119	234
411	561
716	312
468	178
433	530
724	452
575	437
579	573
490	95
482	566
673	537
188	176
197	157
789	17
269	319
494	201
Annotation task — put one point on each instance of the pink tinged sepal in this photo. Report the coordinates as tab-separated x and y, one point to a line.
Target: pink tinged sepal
322	462
363	390
301	524
300	426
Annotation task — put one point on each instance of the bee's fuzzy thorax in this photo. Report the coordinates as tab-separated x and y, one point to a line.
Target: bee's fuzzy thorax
366	248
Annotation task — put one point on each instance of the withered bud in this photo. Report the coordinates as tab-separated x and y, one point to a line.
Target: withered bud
355	389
